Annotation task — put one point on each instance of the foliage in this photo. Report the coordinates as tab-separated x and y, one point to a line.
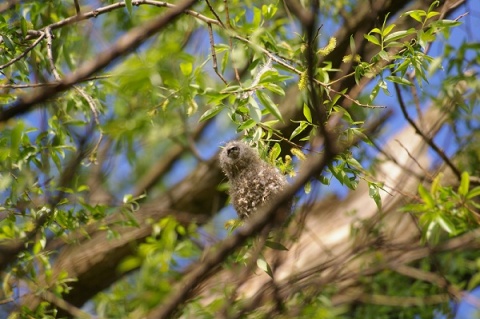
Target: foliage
443	208
119	158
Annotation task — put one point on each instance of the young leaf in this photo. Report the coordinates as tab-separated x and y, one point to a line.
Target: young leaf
307	113
398	35
473	193
247	125
211	113
274	88
128	5
299	129
446	224
436	183
374	193
275	245
263	265
464	184
371	39
274	152
388	29
426	196
399	80
269	105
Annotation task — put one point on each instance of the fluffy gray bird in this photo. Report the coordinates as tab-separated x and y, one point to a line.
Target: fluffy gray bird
252	181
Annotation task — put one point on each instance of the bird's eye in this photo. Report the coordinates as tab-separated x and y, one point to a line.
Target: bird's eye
233	149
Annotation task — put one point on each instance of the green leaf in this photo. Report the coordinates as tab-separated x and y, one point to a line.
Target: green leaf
254	110
372	39
308	187
274	88
375	194
129	263
436	183
384	55
24	26
300	128
128	5
274	152
399	80
16	137
473	192
464	184
446	224
445	23
269	105
275	245
352	44
8	43
186	68
272	76
211	113
248	124
432	14
416	14
269	11
426	196
399	35
7	285
127	198
225	61
263	265
307	113
388	29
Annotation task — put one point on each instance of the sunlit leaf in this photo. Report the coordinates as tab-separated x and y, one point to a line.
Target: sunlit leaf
464	184
275	245
263	265
269	105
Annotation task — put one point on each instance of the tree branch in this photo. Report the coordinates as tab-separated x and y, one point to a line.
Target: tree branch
126	43
426	138
216	255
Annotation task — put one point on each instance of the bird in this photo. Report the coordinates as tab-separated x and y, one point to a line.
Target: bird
253	182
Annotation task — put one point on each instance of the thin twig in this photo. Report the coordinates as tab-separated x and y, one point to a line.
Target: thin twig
293	69
425	171
24	53
431	277
316	105
93	107
53	68
400	301
230	42
314	165
427	139
124	44
99	11
394	160
82	92
416	100
36	85
77	7
227	14
214	55
65	306
235	69
215	13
